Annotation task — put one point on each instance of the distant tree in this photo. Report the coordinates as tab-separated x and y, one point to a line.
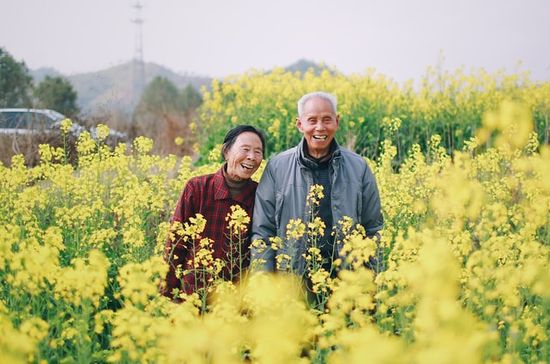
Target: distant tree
162	114
15	82
303	65
191	99
58	94
160	97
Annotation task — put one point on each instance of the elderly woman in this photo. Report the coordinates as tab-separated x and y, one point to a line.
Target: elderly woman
212	196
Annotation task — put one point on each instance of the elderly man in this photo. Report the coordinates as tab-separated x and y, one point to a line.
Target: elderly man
349	188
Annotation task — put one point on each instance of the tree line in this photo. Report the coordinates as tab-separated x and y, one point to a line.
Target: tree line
17	88
162	113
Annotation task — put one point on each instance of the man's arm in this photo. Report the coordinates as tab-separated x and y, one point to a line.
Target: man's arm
263	223
372	218
371	215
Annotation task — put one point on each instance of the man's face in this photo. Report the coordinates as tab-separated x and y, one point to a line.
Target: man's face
244	156
318	123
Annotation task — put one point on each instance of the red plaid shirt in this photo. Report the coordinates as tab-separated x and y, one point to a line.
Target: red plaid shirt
207	195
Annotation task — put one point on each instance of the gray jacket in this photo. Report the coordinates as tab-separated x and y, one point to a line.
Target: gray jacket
281	196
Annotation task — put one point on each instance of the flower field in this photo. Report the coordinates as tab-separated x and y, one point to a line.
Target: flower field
464	276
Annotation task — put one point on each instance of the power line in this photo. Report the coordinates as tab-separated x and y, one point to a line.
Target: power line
138	65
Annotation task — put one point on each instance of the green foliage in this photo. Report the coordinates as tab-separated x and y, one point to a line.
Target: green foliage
164	114
160	97
190	98
372	107
163	97
15	82
58	94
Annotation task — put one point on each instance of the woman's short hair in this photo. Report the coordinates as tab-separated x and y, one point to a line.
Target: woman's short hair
232	135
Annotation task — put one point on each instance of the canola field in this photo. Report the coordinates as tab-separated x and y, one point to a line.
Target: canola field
463	167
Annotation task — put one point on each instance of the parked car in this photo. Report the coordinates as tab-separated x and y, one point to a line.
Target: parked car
22	130
19	121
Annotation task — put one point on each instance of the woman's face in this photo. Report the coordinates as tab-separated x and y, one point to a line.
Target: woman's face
244	156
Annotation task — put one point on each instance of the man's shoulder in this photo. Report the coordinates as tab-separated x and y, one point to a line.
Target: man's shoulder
283	157
352	157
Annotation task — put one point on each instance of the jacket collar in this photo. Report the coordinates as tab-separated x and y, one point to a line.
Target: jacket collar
306	161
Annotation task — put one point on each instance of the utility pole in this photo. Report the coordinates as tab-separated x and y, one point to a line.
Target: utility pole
138	65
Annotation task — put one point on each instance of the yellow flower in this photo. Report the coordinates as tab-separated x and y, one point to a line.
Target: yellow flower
316	227
320	280
66	125
102	132
143	145
295	229
276	242
315	195
238	220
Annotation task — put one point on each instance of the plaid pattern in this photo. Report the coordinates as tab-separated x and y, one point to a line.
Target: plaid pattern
207	195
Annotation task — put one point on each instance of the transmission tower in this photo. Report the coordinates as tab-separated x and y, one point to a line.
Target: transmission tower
138	65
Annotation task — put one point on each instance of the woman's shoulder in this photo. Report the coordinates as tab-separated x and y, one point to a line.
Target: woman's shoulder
204	180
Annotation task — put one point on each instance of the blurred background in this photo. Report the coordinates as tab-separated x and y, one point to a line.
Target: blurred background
143	67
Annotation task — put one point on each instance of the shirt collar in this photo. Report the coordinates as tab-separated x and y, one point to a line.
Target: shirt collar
246	197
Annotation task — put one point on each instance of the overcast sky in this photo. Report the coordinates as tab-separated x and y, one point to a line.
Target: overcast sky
399	38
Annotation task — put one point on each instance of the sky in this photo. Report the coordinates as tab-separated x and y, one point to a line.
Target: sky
217	38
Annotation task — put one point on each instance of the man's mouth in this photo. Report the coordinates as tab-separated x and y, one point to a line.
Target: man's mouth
247	166
320	137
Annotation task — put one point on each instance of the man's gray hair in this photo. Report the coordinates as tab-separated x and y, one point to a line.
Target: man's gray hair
322	95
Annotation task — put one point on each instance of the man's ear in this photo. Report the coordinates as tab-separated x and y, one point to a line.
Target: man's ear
338	119
299	124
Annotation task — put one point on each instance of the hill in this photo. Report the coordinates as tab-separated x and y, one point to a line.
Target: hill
302	65
111	88
40	74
